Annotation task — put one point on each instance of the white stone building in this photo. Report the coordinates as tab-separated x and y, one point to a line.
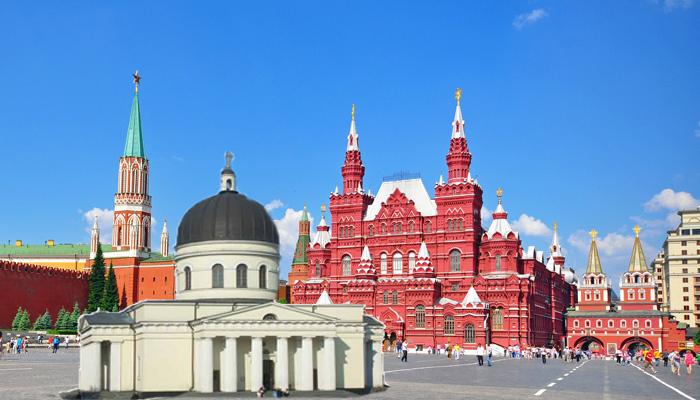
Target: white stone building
224	331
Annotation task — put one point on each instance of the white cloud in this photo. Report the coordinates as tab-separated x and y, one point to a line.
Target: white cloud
288	230
529	18
485	214
104	220
670	5
275	204
612	245
531	226
671	200
697	130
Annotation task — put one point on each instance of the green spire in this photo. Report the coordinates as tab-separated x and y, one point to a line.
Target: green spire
300	253
594	266
637	262
305	214
134	137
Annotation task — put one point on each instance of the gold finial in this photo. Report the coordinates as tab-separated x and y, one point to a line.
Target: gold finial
323	208
636	230
555	226
458	95
352	113
594	234
499	194
137	80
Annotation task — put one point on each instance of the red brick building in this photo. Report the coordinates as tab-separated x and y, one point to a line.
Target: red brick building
602	323
425	266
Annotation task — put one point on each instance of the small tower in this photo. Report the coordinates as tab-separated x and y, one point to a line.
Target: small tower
365	269
94	238
319	253
458	158
555	253
132	203
164	240
594	293
353	170
500	244
637	285
424	266
228	177
300	263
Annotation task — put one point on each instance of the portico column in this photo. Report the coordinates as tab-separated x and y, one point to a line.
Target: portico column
205	365
256	364
328	382
307	364
229	367
377	364
282	364
115	365
90	377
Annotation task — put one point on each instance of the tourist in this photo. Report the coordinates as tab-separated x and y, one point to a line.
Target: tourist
261	391
18	344
448	350
480	354
578	355
404	351
398	348
689	361
657	357
544	355
648	361
56	342
675	359
489	355
664	356
618	356
457	351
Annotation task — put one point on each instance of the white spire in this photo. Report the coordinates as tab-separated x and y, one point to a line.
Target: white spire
336	190
94	238
353	144
555	248
365	255
165	227
458	122
95	225
324	298
323	221
471	298
441	181
423	252
164	240
359	187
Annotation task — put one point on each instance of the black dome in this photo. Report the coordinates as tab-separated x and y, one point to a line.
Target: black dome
227	216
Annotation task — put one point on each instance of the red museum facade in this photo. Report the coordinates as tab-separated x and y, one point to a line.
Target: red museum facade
425	266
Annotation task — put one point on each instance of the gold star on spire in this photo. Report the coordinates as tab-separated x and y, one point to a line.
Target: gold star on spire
137	80
499	194
458	95
636	230
555	226
352	113
594	234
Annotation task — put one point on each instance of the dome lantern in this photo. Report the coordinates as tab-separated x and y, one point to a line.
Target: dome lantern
228	177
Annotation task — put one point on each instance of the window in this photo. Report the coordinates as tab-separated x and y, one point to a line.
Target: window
684	252
630	295
685	232
598	323
686	308
498	263
685	290
635	324
575	323
217	276
685	270
684	243
455	287
647	324
270	317
587	323
188	278
449	325
597	296
610	323
427	226
641	295
411	262
241	276
395	297
498	318
386	297
371	230
382	263
469	336
684	261
623	324
398	263
420	317
455	257
346	265
383	229
262	277
411	226
685	280
318	268
686	298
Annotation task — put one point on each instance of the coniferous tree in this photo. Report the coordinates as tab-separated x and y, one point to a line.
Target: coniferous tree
110	298
16	320
696	339
74	316
43	322
25	322
96	286
61	319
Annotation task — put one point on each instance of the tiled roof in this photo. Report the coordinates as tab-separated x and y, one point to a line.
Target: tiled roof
31	250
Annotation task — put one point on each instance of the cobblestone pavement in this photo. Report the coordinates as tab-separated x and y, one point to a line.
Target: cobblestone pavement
42	375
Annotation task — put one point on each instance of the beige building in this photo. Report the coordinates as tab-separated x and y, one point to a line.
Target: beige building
224	331
677	266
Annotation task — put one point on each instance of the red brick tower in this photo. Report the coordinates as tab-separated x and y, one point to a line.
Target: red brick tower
594	293
500	245
300	263
637	285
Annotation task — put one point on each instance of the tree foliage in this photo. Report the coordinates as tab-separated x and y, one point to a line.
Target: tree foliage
110	297
96	285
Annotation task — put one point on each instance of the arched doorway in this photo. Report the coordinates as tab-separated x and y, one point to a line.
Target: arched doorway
590	343
636	343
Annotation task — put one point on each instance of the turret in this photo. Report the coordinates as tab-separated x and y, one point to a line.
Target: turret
228	177
424	265
353	170
366	270
94	238
164	240
500	244
319	252
637	285
594	293
556	257
458	158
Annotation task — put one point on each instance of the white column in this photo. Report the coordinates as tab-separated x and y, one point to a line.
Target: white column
205	365
328	382
282	364
115	366
256	364
90	377
229	366
377	364
307	364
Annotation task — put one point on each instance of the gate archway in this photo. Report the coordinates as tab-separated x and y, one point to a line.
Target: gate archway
591	343
636	343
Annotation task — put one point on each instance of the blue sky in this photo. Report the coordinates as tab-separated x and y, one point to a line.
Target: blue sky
584	112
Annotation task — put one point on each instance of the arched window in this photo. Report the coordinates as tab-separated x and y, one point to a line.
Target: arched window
449	225
146	236
428	226
630	294
241	276
449	325
598	323
318	268
119	234
498	318
188	278
611	323
383	229
133	181
395	297
217	276
398	263
371	230
352	231
469	335
498	262
420	317
382	263
575	323
455	258
636	279
386	297
411	226
641	294
623	324
635	324
262	277
459	225
587	323
399	227
270	317
346	265
145	182
411	262
647	323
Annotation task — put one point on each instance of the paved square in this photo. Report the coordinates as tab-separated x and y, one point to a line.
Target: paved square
42	375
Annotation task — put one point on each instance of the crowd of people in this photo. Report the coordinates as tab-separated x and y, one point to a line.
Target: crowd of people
20	344
653	358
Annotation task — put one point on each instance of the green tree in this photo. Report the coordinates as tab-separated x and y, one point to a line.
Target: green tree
16	320
74	316
96	285
62	319
110	298
43	322
696	339
24	322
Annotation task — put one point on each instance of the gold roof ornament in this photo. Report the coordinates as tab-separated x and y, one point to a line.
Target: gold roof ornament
594	234
594	265
499	194
636	230
555	226
352	113
137	80
458	95
638	262
323	208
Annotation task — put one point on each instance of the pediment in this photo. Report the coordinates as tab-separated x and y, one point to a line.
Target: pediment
282	312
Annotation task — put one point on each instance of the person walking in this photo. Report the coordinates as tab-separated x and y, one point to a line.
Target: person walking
489	355
544	355
458	351
480	355
404	351
648	361
18	344
56	343
399	353
448	350
657	357
664	356
689	361
675	359
618	356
